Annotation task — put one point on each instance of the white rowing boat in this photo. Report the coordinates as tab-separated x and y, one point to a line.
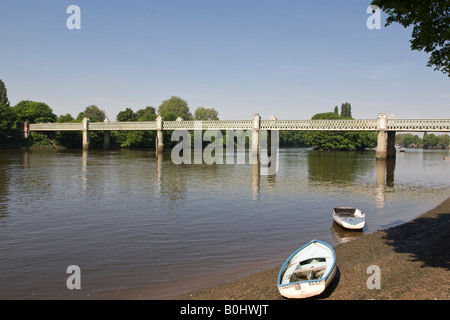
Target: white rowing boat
349	218
308	271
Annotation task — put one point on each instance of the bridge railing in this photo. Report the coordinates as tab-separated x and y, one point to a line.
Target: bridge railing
307	125
56	127
313	125
418	125
208	125
123	126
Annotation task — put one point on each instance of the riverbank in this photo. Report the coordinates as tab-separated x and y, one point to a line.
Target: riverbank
414	261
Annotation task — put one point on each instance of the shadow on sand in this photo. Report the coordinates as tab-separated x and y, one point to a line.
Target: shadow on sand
426	239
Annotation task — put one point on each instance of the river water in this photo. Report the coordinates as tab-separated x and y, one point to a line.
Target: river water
141	227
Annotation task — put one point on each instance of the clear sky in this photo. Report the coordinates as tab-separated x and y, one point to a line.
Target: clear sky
288	58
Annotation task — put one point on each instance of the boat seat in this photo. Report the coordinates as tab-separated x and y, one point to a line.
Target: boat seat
310	268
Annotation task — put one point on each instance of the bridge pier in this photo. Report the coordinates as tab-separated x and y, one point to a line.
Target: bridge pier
86	135
159	135
381	152
391	152
385	146
106	137
256	124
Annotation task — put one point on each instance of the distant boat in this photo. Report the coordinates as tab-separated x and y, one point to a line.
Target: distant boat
308	271
349	218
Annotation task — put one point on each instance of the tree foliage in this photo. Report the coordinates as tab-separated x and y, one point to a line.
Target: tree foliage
93	113
430	20
173	108
346	110
206	114
147	114
3	94
430	140
407	139
34	112
126	115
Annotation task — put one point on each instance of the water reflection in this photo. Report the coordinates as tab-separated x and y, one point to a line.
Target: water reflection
338	167
341	235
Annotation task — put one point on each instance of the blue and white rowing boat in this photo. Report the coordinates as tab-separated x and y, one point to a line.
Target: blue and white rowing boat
308	271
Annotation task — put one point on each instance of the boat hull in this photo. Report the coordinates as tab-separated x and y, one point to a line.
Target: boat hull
354	221
311	287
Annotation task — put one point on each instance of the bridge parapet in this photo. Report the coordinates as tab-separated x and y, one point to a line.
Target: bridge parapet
56	126
418	125
208	125
123	126
314	125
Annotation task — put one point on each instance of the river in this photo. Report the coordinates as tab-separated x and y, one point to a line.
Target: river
141	227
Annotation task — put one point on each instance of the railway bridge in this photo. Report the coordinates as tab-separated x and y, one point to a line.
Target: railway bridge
385	126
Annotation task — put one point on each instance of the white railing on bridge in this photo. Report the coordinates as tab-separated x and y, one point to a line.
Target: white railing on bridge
314	125
305	125
418	125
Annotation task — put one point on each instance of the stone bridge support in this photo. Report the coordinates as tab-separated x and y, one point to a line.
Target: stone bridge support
159	135
86	135
256	125
385	145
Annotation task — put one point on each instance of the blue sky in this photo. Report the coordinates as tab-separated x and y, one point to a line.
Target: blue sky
287	58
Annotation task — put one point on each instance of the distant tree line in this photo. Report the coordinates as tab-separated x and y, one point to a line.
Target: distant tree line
172	109
428	140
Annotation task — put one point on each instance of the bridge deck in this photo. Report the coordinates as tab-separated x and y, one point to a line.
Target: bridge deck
412	125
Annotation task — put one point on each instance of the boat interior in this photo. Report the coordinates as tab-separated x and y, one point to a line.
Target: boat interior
345	212
311	269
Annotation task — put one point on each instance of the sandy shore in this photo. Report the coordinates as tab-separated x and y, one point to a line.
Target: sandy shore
414	262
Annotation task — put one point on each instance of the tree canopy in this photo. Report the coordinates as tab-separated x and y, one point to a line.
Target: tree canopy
173	108
93	113
430	20
3	94
33	111
206	114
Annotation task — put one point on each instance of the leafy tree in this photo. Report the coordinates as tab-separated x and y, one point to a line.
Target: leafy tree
147	114
3	94
206	114
292	139
336	110
346	110
65	118
407	139
325	116
430	20
173	108
93	113
444	140
33	111
430	140
6	118
126	115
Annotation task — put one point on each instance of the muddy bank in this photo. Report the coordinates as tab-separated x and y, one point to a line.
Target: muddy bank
413	259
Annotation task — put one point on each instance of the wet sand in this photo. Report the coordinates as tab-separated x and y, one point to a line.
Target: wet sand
413	259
